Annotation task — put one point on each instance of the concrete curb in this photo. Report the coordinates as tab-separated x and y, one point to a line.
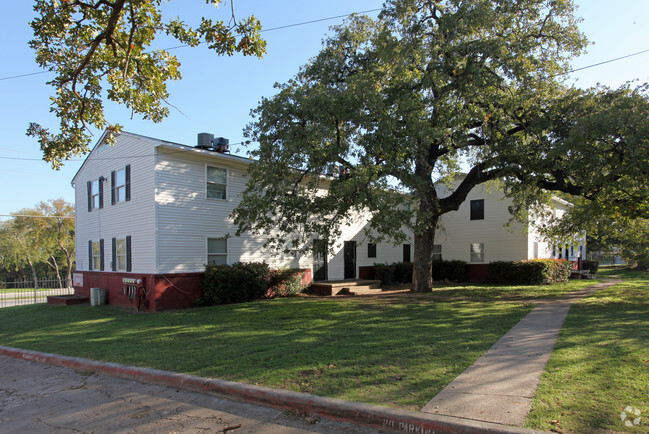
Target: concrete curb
374	416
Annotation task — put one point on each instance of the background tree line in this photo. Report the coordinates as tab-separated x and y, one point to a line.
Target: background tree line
38	243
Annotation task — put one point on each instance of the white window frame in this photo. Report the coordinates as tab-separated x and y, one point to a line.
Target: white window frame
120	257
96	255
219	254
120	189
207	182
437	252
94	193
476	252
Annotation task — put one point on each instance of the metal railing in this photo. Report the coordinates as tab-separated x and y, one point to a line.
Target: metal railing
22	292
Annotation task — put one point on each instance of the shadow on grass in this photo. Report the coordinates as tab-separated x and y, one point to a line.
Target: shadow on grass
600	364
395	353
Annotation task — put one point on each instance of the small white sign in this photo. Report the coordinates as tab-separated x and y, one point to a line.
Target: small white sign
77	279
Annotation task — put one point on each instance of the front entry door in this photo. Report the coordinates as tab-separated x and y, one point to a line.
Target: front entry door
350	259
320	260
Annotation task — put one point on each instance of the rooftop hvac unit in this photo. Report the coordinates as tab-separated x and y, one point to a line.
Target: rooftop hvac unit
205	140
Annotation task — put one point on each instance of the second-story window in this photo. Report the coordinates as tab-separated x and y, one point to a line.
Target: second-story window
477	209
120	183
217	179
95	194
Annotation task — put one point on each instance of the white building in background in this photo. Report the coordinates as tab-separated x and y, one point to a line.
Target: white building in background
478	232
150	214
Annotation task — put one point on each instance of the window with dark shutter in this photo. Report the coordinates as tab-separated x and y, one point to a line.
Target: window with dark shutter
113	264
371	250
101	255
128	182
89	187
101	192
128	254
112	188
477	209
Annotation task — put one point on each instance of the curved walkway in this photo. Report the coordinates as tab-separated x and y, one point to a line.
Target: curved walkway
500	386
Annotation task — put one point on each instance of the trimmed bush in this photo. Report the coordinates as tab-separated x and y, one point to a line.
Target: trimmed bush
384	273
285	282
530	272
397	272
453	270
591	266
223	284
403	272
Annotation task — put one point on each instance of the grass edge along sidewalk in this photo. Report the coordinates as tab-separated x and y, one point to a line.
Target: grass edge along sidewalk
597	379
351	412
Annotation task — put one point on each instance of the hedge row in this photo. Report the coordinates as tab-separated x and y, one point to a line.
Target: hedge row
223	284
529	272
401	272
398	272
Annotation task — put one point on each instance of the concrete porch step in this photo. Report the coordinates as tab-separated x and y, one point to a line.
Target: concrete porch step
346	287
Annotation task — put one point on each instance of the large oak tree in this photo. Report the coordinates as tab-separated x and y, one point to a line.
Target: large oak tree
429	89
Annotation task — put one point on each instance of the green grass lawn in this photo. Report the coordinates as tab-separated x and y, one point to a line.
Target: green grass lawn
600	365
397	351
508	292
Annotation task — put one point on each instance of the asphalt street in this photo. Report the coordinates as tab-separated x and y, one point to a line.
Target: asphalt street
36	397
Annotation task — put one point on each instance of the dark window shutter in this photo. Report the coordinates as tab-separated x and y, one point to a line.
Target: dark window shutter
101	255
128	253
112	188
89	184
114	264
128	182
90	255
101	192
371	250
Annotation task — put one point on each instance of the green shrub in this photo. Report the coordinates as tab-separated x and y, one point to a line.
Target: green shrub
384	273
223	284
591	266
453	270
397	272
529	272
403	272
285	282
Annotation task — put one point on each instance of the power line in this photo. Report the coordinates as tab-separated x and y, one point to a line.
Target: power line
606	61
118	158
287	26
39	216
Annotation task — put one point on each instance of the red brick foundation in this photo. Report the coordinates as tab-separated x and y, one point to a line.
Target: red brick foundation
144	292
149	292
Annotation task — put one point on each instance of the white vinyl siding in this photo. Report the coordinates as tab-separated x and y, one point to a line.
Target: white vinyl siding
135	217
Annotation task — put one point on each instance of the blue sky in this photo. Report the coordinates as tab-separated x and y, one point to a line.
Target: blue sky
217	93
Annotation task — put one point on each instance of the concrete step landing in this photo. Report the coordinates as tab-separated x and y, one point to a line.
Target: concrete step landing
346	287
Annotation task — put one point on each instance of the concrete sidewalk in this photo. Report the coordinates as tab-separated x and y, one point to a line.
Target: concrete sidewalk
500	386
